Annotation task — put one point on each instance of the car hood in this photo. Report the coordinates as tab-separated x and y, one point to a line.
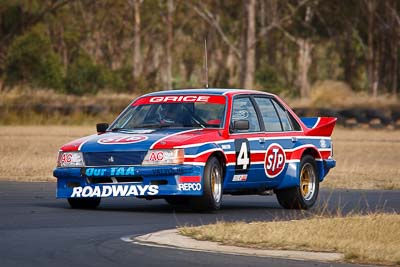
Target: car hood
142	140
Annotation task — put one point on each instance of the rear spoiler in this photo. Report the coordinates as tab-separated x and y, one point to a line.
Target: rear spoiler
319	126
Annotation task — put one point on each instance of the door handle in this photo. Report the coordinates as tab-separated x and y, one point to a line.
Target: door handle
261	140
294	139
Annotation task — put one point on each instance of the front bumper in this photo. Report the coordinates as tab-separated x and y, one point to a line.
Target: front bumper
129	181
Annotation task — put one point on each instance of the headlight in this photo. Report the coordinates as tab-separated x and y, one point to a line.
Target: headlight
70	159
164	157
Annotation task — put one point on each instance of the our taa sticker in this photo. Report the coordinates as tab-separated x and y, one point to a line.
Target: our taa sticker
275	159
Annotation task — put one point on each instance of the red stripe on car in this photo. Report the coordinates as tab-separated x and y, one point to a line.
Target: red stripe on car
189	179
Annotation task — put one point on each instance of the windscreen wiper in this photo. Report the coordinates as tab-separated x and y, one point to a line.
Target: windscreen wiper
193	117
116	129
154	125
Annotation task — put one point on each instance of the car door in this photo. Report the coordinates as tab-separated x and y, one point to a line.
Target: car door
249	162
279	137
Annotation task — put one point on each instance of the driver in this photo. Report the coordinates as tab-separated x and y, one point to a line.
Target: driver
168	113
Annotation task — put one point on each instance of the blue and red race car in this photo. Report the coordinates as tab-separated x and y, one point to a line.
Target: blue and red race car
192	146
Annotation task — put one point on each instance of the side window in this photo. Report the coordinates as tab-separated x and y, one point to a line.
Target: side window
283	116
295	124
269	115
243	109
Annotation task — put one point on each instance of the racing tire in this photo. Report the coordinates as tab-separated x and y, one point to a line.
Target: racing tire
305	195
177	200
212	187
84	203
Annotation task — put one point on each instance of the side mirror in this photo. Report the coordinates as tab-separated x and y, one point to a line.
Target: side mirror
101	127
241	125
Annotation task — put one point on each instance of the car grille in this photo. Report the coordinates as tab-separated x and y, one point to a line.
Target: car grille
114	158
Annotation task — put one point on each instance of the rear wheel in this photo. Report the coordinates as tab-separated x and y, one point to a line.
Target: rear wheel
305	195
84	203
212	187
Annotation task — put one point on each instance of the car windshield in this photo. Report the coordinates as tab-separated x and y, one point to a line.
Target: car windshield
173	111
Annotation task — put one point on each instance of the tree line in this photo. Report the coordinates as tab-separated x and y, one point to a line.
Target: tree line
83	46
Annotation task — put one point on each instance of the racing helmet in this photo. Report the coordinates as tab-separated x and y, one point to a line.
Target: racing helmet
168	113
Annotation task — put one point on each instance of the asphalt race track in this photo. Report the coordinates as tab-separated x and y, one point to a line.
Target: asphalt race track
38	230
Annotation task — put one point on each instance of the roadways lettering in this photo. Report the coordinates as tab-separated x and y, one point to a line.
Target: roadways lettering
115	191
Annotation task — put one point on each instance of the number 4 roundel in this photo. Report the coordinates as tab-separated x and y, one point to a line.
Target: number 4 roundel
242	149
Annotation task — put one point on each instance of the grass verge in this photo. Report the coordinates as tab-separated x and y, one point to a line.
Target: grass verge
370	238
366	159
29	153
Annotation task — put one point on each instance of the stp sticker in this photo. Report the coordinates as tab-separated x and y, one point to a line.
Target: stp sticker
275	159
122	139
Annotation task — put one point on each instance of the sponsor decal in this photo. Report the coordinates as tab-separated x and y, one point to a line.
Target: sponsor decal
180	99
115	171
66	158
115	191
240	115
323	144
189	179
239	178
275	159
156	156
122	139
189	187
226	147
70	159
189	183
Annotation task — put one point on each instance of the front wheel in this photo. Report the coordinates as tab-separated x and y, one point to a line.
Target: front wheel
305	195
84	203
212	187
